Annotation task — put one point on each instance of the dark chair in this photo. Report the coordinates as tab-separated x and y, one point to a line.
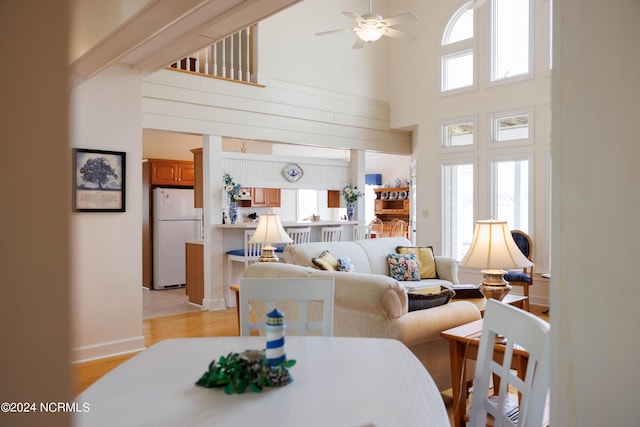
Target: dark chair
522	278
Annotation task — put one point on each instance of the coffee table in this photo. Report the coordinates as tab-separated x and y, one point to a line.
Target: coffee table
463	344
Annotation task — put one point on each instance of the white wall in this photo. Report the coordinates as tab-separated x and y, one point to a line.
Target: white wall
290	51
106	247
35	197
594	296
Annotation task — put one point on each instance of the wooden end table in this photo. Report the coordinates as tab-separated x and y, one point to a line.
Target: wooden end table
236	290
463	344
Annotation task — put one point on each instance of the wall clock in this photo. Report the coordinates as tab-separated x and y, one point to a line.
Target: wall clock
292	172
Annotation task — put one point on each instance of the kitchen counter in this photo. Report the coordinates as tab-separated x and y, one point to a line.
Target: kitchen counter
249	225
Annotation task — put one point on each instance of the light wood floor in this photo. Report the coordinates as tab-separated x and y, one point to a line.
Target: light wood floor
195	324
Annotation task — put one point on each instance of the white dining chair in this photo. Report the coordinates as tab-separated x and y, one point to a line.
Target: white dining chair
331	234
306	303
299	235
361	232
516	329
248	254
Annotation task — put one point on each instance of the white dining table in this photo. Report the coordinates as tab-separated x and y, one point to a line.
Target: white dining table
337	381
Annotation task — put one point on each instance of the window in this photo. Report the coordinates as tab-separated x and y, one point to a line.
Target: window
511	127
307	203
457	70
510	56
510	192
458	208
460	26
458	133
457	59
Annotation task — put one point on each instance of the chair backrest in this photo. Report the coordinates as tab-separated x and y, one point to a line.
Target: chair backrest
520	331
332	234
299	235
306	303
398	228
251	250
361	232
377	226
523	241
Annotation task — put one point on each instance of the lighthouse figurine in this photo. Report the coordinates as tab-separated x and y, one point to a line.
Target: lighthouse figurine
275	338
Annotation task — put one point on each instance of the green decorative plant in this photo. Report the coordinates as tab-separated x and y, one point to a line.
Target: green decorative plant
250	370
351	193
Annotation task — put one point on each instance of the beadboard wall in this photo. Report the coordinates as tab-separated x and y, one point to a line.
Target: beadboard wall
255	170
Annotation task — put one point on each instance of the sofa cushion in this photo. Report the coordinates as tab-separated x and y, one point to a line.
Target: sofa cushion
403	267
517	276
326	261
429	300
345	264
426	260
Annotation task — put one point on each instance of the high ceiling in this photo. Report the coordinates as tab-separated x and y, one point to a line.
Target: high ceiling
161	31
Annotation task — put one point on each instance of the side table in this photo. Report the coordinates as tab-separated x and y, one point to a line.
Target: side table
463	344
236	290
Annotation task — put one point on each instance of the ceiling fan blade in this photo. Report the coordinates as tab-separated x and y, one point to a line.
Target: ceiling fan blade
399	35
359	44
405	17
323	33
354	16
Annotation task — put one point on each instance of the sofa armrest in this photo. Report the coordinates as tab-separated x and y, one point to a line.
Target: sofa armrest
447	269
418	327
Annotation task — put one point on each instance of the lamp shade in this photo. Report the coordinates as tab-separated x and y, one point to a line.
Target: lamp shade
270	230
493	248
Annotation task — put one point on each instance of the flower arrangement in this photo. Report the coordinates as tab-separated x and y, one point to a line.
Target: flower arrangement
351	193
232	189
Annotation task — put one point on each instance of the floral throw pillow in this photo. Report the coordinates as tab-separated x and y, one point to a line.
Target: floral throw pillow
403	267
345	264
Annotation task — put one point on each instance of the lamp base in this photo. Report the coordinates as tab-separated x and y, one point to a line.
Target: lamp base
494	286
268	254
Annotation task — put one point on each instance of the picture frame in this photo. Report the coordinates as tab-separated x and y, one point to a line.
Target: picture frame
99	180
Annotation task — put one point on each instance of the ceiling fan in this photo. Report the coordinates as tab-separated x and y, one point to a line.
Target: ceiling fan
372	26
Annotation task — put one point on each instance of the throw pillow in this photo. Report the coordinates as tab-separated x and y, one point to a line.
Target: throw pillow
403	267
424	301
345	264
325	261
426	260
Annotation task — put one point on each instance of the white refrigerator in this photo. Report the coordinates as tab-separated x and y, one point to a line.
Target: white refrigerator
175	221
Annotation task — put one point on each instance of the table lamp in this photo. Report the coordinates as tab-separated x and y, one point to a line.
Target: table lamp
269	231
492	250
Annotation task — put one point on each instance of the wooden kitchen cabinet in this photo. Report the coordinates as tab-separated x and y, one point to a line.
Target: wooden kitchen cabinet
262	198
333	198
392	203
172	172
194	265
198	182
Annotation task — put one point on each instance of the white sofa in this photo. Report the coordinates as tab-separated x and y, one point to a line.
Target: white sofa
369	303
370	256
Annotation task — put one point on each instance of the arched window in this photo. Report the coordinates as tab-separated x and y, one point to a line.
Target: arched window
458	50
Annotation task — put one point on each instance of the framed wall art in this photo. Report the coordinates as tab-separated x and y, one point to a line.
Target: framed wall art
98	180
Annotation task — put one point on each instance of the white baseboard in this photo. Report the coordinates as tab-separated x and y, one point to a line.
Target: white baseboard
107	349
214	304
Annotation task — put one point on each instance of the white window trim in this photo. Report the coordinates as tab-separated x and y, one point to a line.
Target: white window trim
493	117
458	54
454	18
458	120
491	48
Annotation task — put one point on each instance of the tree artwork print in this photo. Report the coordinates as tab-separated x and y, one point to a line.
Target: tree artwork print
99	181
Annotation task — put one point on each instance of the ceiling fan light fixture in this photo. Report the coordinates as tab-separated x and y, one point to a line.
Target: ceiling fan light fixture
370	34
